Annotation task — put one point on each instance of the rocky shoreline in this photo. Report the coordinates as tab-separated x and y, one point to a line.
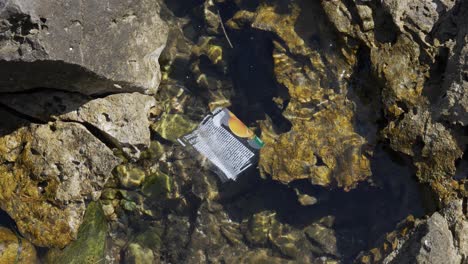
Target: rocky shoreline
362	106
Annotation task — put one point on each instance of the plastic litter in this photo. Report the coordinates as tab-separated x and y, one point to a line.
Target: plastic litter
226	142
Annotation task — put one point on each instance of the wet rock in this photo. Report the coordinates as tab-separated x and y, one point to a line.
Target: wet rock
136	254
215	237
173	126
409	64
87	46
123	119
155	151
433	146
267	18
91	242
305	199
15	249
323	144
258	228
151	237
109	210
48	171
390	244
158	185
313	153
323	237
290	241
260	256
178	232
130	177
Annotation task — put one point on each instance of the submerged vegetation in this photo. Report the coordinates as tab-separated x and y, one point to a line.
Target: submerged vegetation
362	106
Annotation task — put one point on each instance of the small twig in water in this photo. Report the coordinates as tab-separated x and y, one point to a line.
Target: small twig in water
224	30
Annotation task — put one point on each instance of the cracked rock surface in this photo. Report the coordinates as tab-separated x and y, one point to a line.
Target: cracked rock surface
87	46
121	118
48	171
59	141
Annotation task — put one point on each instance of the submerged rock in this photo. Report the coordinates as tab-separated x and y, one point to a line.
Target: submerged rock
91	241
48	171
136	254
15	249
89	47
323	144
173	126
130	177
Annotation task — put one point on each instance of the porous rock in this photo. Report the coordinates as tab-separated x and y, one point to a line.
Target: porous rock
123	118
48	172
14	249
87	46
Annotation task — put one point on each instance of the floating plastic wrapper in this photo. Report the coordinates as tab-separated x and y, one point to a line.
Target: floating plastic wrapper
226	142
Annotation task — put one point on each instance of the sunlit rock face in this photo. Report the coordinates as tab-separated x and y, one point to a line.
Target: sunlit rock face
74	104
88	47
126	129
439	238
361	105
48	171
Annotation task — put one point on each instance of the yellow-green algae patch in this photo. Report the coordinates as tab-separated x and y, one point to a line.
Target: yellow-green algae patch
89	248
322	145
15	249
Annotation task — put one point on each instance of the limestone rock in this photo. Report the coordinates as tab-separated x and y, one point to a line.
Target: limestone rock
136	254
90	244
434	148
431	243
48	171
122	118
454	106
439	239
85	46
418	17
14	249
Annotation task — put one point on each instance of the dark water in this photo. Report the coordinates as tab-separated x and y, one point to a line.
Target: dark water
362	215
6	221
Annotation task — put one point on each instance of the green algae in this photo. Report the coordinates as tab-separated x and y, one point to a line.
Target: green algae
158	185
173	126
90	245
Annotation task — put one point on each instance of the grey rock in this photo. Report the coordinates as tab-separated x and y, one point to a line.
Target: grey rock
431	242
121	118
454	103
68	152
437	245
88	46
458	224
48	172
418	17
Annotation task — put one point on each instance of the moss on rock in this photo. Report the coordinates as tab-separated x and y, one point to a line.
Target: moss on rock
91	242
